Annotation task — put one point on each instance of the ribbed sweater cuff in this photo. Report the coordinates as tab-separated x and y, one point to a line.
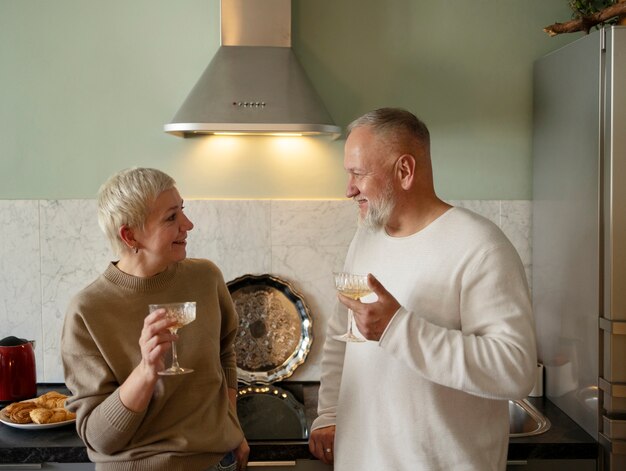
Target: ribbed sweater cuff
118	415
322	421
401	312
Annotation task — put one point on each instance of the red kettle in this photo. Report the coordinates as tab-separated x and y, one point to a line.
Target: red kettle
18	378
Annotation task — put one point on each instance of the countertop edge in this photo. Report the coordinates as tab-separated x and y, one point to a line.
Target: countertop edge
565	440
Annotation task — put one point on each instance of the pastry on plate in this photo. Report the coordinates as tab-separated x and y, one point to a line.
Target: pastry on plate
48	408
51	400
19	412
42	415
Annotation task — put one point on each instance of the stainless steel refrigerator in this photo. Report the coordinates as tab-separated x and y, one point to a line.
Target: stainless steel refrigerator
579	234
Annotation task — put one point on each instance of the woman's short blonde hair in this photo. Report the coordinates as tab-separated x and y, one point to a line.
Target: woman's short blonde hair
126	198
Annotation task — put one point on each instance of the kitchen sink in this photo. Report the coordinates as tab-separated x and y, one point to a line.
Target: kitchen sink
525	420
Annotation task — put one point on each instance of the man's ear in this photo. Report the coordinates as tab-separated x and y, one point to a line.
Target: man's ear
406	170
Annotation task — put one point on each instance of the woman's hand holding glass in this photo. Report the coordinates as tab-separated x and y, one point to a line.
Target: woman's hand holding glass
181	314
155	341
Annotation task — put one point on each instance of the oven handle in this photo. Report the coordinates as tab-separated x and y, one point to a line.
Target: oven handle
259	464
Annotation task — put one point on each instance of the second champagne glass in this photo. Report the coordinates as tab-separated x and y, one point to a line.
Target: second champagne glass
183	314
355	287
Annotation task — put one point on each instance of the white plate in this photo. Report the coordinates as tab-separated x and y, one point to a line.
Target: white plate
34	426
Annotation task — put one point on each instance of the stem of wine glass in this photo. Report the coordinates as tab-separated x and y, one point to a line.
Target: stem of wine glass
175	364
350	317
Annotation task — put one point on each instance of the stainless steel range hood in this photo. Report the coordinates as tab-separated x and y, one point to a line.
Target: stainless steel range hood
254	84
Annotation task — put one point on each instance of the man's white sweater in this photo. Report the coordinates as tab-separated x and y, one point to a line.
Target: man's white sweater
433	393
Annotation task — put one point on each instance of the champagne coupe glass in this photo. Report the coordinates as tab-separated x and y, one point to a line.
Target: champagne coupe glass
355	287
183	314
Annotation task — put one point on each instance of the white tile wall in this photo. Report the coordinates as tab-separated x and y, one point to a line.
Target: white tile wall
20	273
50	249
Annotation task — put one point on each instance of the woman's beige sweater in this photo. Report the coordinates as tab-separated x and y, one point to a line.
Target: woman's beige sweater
189	423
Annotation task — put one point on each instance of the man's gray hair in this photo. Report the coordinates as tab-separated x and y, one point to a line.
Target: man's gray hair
126	198
393	120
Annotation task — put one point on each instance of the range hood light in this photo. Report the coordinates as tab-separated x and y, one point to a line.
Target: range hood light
277	134
254	85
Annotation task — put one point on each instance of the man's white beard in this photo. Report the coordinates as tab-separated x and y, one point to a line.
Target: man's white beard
378	211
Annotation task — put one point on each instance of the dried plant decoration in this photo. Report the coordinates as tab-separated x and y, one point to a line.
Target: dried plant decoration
588	14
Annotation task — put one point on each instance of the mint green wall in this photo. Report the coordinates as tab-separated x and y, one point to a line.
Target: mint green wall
86	86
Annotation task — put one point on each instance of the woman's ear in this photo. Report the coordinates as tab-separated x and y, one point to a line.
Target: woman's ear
406	170
128	237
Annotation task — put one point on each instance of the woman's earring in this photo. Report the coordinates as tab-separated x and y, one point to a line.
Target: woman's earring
136	249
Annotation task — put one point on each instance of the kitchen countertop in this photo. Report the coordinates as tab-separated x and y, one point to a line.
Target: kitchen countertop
564	440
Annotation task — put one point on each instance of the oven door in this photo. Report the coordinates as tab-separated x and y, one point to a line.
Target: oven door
269	412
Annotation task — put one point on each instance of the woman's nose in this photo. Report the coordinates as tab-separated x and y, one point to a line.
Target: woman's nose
188	223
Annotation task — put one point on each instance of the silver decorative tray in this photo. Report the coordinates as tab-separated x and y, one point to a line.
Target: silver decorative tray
275	330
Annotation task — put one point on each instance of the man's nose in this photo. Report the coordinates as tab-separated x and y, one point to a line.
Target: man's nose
351	189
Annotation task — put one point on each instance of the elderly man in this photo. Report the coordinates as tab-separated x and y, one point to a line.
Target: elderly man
450	333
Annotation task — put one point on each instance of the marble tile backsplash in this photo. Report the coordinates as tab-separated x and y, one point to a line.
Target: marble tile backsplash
50	249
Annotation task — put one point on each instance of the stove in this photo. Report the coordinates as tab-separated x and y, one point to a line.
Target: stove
274	337
271	412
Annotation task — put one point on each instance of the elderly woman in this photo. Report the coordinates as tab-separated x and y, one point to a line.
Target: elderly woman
128	415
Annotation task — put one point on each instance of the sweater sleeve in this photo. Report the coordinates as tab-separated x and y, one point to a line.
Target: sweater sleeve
493	355
230	323
332	365
103	422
